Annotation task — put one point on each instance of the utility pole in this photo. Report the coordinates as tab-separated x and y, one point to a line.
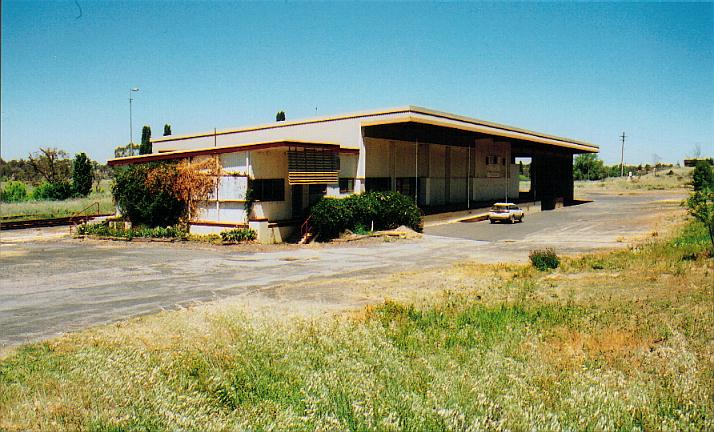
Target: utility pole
622	155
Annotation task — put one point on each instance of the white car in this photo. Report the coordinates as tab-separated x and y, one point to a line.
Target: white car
505	212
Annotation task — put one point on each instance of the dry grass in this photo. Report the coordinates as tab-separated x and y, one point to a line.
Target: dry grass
662	180
612	341
50	209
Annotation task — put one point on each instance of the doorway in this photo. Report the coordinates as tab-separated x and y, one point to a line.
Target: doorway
297	201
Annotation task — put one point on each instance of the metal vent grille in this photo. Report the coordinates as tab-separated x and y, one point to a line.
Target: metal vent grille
313	167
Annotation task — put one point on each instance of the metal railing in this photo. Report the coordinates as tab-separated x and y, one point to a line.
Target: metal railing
81	216
305	229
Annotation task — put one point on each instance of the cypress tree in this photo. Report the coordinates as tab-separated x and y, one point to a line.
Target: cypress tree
280	116
145	147
167	129
82	175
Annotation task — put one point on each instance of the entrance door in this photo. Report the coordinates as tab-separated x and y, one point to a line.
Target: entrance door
315	192
298	208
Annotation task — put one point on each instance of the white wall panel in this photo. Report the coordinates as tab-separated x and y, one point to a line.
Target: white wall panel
235	163
232	212
232	188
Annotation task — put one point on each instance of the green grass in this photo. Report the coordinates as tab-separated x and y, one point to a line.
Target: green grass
617	341
29	210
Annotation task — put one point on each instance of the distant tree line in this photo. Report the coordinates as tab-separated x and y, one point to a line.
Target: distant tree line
52	173
589	167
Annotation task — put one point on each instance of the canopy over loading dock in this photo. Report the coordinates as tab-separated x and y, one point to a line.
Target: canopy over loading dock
440	159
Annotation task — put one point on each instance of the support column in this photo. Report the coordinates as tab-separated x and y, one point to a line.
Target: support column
447	175
361	164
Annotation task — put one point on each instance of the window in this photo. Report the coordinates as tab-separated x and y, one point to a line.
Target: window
378	184
492	160
405	185
268	189
347	185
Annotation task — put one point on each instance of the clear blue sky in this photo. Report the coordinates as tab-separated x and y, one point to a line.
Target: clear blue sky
584	71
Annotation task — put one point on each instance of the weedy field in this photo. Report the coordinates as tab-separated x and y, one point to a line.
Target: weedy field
611	341
664	179
45	209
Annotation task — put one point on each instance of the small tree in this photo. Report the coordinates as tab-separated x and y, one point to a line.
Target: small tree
280	116
588	167
167	129
52	164
82	175
702	176
145	147
701	207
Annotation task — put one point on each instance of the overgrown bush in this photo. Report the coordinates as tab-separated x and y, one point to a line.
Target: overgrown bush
164	193
102	229
238	235
142	204
544	259
702	176
383	210
14	191
53	191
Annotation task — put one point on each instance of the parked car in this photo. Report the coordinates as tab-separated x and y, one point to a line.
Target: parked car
505	212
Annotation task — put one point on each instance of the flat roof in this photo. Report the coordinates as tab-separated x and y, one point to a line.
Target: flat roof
407	114
180	154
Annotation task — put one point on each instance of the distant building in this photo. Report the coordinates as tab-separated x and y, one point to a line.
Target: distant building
441	159
693	162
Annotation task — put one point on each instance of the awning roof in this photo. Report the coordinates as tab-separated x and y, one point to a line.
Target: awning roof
415	125
182	154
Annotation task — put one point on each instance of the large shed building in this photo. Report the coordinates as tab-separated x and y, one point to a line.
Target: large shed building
443	160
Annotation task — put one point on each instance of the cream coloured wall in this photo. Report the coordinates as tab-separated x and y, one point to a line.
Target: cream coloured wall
405	159
348	165
489	189
437	156
271	164
228	206
377	158
344	132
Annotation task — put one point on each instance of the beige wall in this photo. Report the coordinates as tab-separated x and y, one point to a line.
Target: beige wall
271	164
445	171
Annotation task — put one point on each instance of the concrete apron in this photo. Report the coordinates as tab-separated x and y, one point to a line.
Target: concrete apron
472	215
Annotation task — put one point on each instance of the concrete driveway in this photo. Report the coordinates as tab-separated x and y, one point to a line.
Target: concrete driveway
579	228
61	284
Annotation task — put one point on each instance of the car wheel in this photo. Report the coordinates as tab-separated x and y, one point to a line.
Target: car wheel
521	219
492	221
512	219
